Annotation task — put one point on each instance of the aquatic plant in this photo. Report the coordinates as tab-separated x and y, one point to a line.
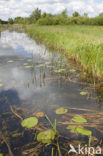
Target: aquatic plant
46	136
61	110
10	61
81	43
1	84
29	122
83	93
79	119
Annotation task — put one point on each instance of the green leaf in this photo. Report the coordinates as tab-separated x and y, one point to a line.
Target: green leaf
59	70
61	110
73	128
1	85
79	119
29	122
83	93
1	154
72	70
84	131
40	65
10	61
46	136
25	64
28	66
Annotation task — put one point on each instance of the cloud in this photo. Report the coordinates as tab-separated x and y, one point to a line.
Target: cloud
14	8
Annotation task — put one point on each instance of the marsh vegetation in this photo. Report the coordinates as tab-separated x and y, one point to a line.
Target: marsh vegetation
46	103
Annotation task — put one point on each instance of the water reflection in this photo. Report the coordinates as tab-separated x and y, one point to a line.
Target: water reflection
35	74
38	80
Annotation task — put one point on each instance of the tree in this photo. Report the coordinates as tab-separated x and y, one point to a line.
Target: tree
35	15
75	14
10	21
85	15
64	13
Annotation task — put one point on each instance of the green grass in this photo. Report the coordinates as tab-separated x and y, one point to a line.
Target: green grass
82	43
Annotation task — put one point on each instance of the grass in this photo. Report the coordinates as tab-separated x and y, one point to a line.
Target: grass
82	43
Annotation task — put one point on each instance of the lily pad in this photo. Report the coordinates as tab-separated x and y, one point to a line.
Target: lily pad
46	136
59	71
83	93
61	110
79	119
1	84
28	66
39	114
29	122
72	70
84	131
25	64
40	65
10	61
73	128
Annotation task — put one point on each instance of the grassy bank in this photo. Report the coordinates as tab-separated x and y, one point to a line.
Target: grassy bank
82	43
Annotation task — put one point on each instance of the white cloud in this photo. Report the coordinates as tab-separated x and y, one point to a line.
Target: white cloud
13	8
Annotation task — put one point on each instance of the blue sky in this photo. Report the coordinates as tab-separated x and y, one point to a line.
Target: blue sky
14	8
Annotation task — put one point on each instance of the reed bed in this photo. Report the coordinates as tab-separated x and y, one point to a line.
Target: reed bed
84	44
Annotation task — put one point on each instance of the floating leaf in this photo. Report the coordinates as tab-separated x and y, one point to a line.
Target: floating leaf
39	114
83	93
30	122
73	128
1	84
25	64
28	66
79	119
59	71
84	131
61	110
46	136
10	61
72	70
1	154
40	65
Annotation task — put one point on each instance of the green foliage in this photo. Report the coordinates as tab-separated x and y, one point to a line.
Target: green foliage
10	21
75	14
46	136
61	110
79	119
36	14
64	13
83	93
84	43
84	131
45	21
29	122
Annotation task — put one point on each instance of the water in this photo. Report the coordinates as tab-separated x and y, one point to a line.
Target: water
34	79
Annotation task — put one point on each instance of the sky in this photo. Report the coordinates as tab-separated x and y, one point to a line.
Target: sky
23	8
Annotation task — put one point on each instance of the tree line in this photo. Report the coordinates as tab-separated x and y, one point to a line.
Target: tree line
58	19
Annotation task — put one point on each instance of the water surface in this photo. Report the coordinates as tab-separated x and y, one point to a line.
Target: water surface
38	80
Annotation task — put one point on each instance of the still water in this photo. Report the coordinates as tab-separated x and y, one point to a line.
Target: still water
34	79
